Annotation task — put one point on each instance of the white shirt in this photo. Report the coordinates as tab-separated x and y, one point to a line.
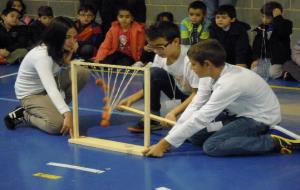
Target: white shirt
36	74
185	78
239	90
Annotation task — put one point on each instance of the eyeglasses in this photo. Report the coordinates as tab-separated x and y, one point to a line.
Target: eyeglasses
158	47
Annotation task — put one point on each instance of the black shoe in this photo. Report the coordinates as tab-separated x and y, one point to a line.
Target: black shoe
139	128
14	118
284	145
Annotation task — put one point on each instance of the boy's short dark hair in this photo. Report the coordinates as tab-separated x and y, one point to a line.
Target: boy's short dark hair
45	11
6	11
86	8
198	5
210	50
169	15
164	29
267	9
226	10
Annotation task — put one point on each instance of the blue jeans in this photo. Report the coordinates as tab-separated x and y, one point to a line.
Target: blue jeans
241	136
212	6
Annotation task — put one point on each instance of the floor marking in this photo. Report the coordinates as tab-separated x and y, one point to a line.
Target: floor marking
47	176
162	188
9	99
12	74
285	87
75	167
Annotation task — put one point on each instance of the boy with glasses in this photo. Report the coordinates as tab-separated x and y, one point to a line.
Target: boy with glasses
89	32
170	73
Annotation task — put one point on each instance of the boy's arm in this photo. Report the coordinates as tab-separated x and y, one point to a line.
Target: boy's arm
128	101
184	34
242	50
104	47
181	107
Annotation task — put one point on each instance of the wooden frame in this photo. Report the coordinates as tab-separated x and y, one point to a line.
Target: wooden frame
108	144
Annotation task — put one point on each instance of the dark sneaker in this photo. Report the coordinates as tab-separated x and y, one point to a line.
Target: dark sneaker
14	118
139	128
284	145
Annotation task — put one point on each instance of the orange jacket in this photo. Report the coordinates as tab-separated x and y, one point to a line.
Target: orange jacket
111	41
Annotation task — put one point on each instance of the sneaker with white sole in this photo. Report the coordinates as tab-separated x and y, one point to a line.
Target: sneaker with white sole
286	146
14	118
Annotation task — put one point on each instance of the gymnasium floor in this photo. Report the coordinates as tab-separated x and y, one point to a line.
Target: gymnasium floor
27	152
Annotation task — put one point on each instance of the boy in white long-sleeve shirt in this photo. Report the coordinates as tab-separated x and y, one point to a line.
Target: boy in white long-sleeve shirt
170	73
250	104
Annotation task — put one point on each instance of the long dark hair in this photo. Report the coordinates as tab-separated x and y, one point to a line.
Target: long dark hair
55	36
9	4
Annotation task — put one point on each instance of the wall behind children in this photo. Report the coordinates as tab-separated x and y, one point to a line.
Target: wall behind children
248	10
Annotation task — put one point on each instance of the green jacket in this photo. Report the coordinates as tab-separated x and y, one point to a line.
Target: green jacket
186	28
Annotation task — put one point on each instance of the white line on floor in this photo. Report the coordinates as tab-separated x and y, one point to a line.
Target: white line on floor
74	167
12	74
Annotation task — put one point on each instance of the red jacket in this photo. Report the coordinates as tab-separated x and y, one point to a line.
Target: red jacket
111	41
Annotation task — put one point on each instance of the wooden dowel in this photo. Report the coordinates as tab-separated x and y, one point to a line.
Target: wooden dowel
152	116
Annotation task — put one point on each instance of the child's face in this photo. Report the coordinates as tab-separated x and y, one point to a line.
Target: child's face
196	15
86	17
70	40
162	47
125	18
45	20
11	19
17	5
266	19
200	70
223	20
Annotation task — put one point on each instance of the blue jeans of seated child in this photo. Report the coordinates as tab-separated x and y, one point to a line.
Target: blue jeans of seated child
161	82
241	136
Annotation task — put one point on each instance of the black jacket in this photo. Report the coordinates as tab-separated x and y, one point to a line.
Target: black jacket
277	46
235	42
17	37
36	29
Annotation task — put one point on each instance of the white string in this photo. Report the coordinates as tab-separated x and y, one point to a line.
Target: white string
117	93
115	81
124	89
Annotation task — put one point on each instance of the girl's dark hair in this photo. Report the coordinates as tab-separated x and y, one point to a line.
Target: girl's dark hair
267	9
9	4
55	36
169	15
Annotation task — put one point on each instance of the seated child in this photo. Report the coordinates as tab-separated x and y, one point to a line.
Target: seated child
272	40
194	27
89	32
21	7
233	36
13	41
292	68
123	42
37	27
147	54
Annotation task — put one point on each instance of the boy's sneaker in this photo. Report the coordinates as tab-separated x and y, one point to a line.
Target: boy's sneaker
284	145
139	128
14	118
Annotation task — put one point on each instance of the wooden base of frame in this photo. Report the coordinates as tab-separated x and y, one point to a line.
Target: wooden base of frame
109	145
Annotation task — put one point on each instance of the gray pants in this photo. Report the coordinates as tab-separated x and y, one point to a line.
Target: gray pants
274	72
39	109
292	68
16	56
